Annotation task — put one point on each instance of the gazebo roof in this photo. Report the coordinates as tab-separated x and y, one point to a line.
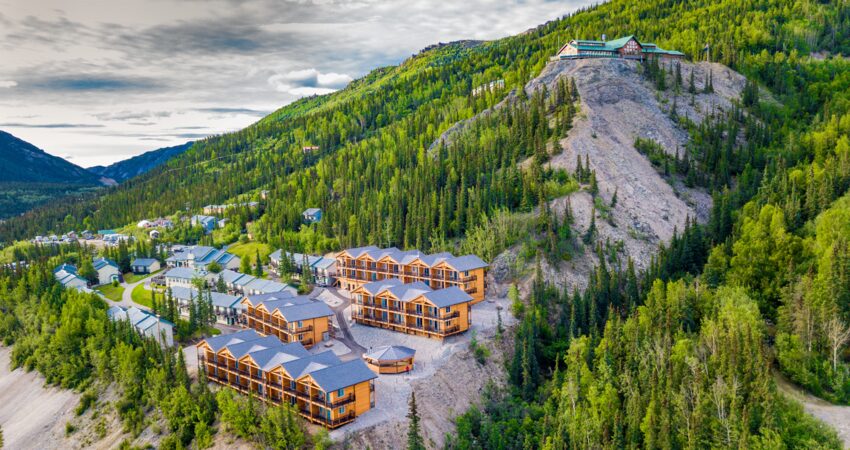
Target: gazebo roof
391	353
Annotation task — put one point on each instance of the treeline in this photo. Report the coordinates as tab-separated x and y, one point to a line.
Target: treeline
67	336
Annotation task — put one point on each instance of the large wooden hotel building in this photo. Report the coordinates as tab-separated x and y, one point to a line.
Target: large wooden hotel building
322	388
358	266
412	308
288	317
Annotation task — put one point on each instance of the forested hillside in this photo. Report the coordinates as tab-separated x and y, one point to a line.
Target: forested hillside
677	356
30	176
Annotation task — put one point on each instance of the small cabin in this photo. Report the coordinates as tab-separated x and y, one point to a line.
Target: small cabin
312	215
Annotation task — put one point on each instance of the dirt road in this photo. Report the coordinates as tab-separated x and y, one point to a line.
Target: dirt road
838	417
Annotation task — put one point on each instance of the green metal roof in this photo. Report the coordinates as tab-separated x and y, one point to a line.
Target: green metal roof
616	44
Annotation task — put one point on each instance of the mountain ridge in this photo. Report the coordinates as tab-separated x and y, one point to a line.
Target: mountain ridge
140	164
21	161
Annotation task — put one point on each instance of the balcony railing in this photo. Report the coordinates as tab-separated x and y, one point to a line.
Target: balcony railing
422	314
405	327
319	399
279	326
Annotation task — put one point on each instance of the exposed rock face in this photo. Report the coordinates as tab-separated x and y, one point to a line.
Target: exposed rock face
618	105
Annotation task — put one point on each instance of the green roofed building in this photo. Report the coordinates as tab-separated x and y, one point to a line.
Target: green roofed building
627	47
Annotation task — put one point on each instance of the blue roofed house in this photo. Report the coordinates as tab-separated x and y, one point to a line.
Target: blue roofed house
200	256
322	267
66	275
208	223
145	323
144	265
107	270
312	215
182	276
228	308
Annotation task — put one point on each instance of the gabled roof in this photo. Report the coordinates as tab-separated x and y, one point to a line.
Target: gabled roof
375	287
69	268
343	375
216	343
449	296
390	353
219	299
461	263
270	358
466	262
312	211
359	251
100	263
304	366
241	349
184	273
409	291
143	262
305	311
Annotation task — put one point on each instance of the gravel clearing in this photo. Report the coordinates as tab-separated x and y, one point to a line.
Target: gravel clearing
446	378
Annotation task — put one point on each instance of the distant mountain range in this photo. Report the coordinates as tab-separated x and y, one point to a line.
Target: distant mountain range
23	162
29	176
137	165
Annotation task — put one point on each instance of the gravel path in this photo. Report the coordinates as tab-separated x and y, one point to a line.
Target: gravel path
836	416
339	304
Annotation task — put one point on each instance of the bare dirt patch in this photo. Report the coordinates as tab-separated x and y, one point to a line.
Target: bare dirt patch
32	415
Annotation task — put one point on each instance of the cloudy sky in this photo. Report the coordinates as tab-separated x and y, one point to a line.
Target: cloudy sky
97	81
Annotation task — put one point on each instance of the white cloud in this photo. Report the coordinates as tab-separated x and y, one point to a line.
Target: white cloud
7	84
306	82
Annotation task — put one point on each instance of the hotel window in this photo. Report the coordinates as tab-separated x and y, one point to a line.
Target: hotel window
300	324
292	385
425	272
342	409
340	393
448	308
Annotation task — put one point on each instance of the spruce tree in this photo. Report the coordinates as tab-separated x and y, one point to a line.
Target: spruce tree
414	434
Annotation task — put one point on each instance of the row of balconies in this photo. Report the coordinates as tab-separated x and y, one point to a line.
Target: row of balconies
267	319
317	397
404	327
407	312
445	275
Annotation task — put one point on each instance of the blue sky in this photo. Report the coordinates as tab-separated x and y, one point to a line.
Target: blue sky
97	81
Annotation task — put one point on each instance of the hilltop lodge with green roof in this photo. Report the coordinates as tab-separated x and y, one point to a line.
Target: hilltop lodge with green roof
627	47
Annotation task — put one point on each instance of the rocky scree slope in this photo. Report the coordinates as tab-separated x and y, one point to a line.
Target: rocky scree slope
618	105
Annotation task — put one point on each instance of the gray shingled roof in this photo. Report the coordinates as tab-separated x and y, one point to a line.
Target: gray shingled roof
461	263
466	262
375	287
183	273
144	262
390	353
449	296
300	367
224	340
343	375
241	349
410	291
218	299
275	356
305	311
